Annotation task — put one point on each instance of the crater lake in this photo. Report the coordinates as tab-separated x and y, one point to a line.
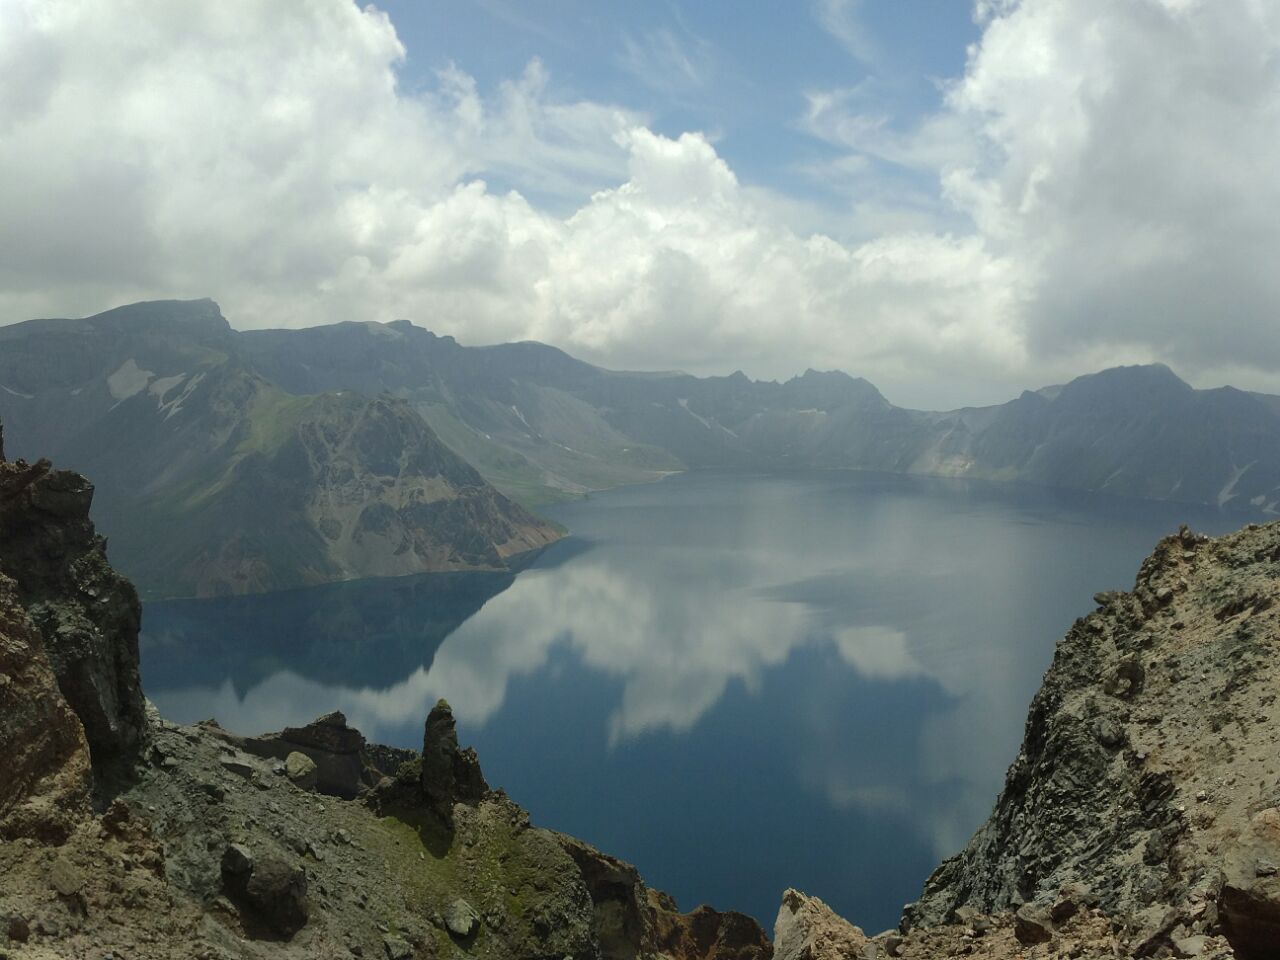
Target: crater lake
737	682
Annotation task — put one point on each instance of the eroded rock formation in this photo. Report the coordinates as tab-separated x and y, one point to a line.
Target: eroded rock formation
85	614
46	781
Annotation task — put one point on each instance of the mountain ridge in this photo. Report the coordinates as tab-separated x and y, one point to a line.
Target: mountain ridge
1125	430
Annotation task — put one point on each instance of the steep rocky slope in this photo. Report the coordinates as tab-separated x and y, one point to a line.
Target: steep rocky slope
312	490
212	481
122	835
1149	771
69	608
1141	817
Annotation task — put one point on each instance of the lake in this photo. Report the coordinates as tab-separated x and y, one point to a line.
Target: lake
737	682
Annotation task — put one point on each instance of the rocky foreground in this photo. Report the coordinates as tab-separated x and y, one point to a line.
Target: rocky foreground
1141	817
124	836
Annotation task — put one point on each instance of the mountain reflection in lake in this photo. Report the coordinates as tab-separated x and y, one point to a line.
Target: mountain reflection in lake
739	683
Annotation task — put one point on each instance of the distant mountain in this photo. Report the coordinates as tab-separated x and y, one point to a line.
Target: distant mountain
539	423
213	481
237	462
526	415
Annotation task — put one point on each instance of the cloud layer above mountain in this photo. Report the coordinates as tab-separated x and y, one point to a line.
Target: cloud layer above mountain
1098	187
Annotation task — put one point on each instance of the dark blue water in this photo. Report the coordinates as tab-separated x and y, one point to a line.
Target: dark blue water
739	683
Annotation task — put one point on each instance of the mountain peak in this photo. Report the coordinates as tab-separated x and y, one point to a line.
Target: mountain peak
203	312
1132	384
828	388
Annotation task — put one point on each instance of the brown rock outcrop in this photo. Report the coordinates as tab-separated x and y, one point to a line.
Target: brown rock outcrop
705	933
46	779
86	614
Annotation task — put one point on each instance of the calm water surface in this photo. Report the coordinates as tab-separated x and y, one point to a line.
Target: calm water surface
737	682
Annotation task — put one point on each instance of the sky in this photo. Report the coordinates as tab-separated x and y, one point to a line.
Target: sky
955	200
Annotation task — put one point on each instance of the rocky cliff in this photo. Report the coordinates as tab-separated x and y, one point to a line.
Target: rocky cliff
1148	772
1141	817
122	835
74	611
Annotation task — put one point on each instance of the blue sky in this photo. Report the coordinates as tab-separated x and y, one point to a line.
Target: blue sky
739	72
957	200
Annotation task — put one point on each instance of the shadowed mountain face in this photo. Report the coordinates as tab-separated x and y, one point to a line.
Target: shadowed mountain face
213	481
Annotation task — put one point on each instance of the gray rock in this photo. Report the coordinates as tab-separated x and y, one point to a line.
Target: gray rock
396	948
449	774
1109	733
1250	907
1190	946
18	928
87	614
1031	925
237	765
1063	909
461	919
237	861
65	877
277	891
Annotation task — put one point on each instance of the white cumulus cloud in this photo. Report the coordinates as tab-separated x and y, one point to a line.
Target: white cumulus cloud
1102	181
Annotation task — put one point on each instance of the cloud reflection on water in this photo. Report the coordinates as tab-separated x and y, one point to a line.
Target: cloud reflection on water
935	599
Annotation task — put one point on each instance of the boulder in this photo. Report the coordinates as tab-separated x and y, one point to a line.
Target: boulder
65	877
301	770
1249	900
338	753
271	893
237	865
1032	924
277	892
18	928
396	949
461	919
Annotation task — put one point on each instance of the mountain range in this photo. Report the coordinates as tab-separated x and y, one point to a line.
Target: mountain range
540	424
232	462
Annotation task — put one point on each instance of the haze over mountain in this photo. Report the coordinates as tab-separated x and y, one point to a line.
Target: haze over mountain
238	462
